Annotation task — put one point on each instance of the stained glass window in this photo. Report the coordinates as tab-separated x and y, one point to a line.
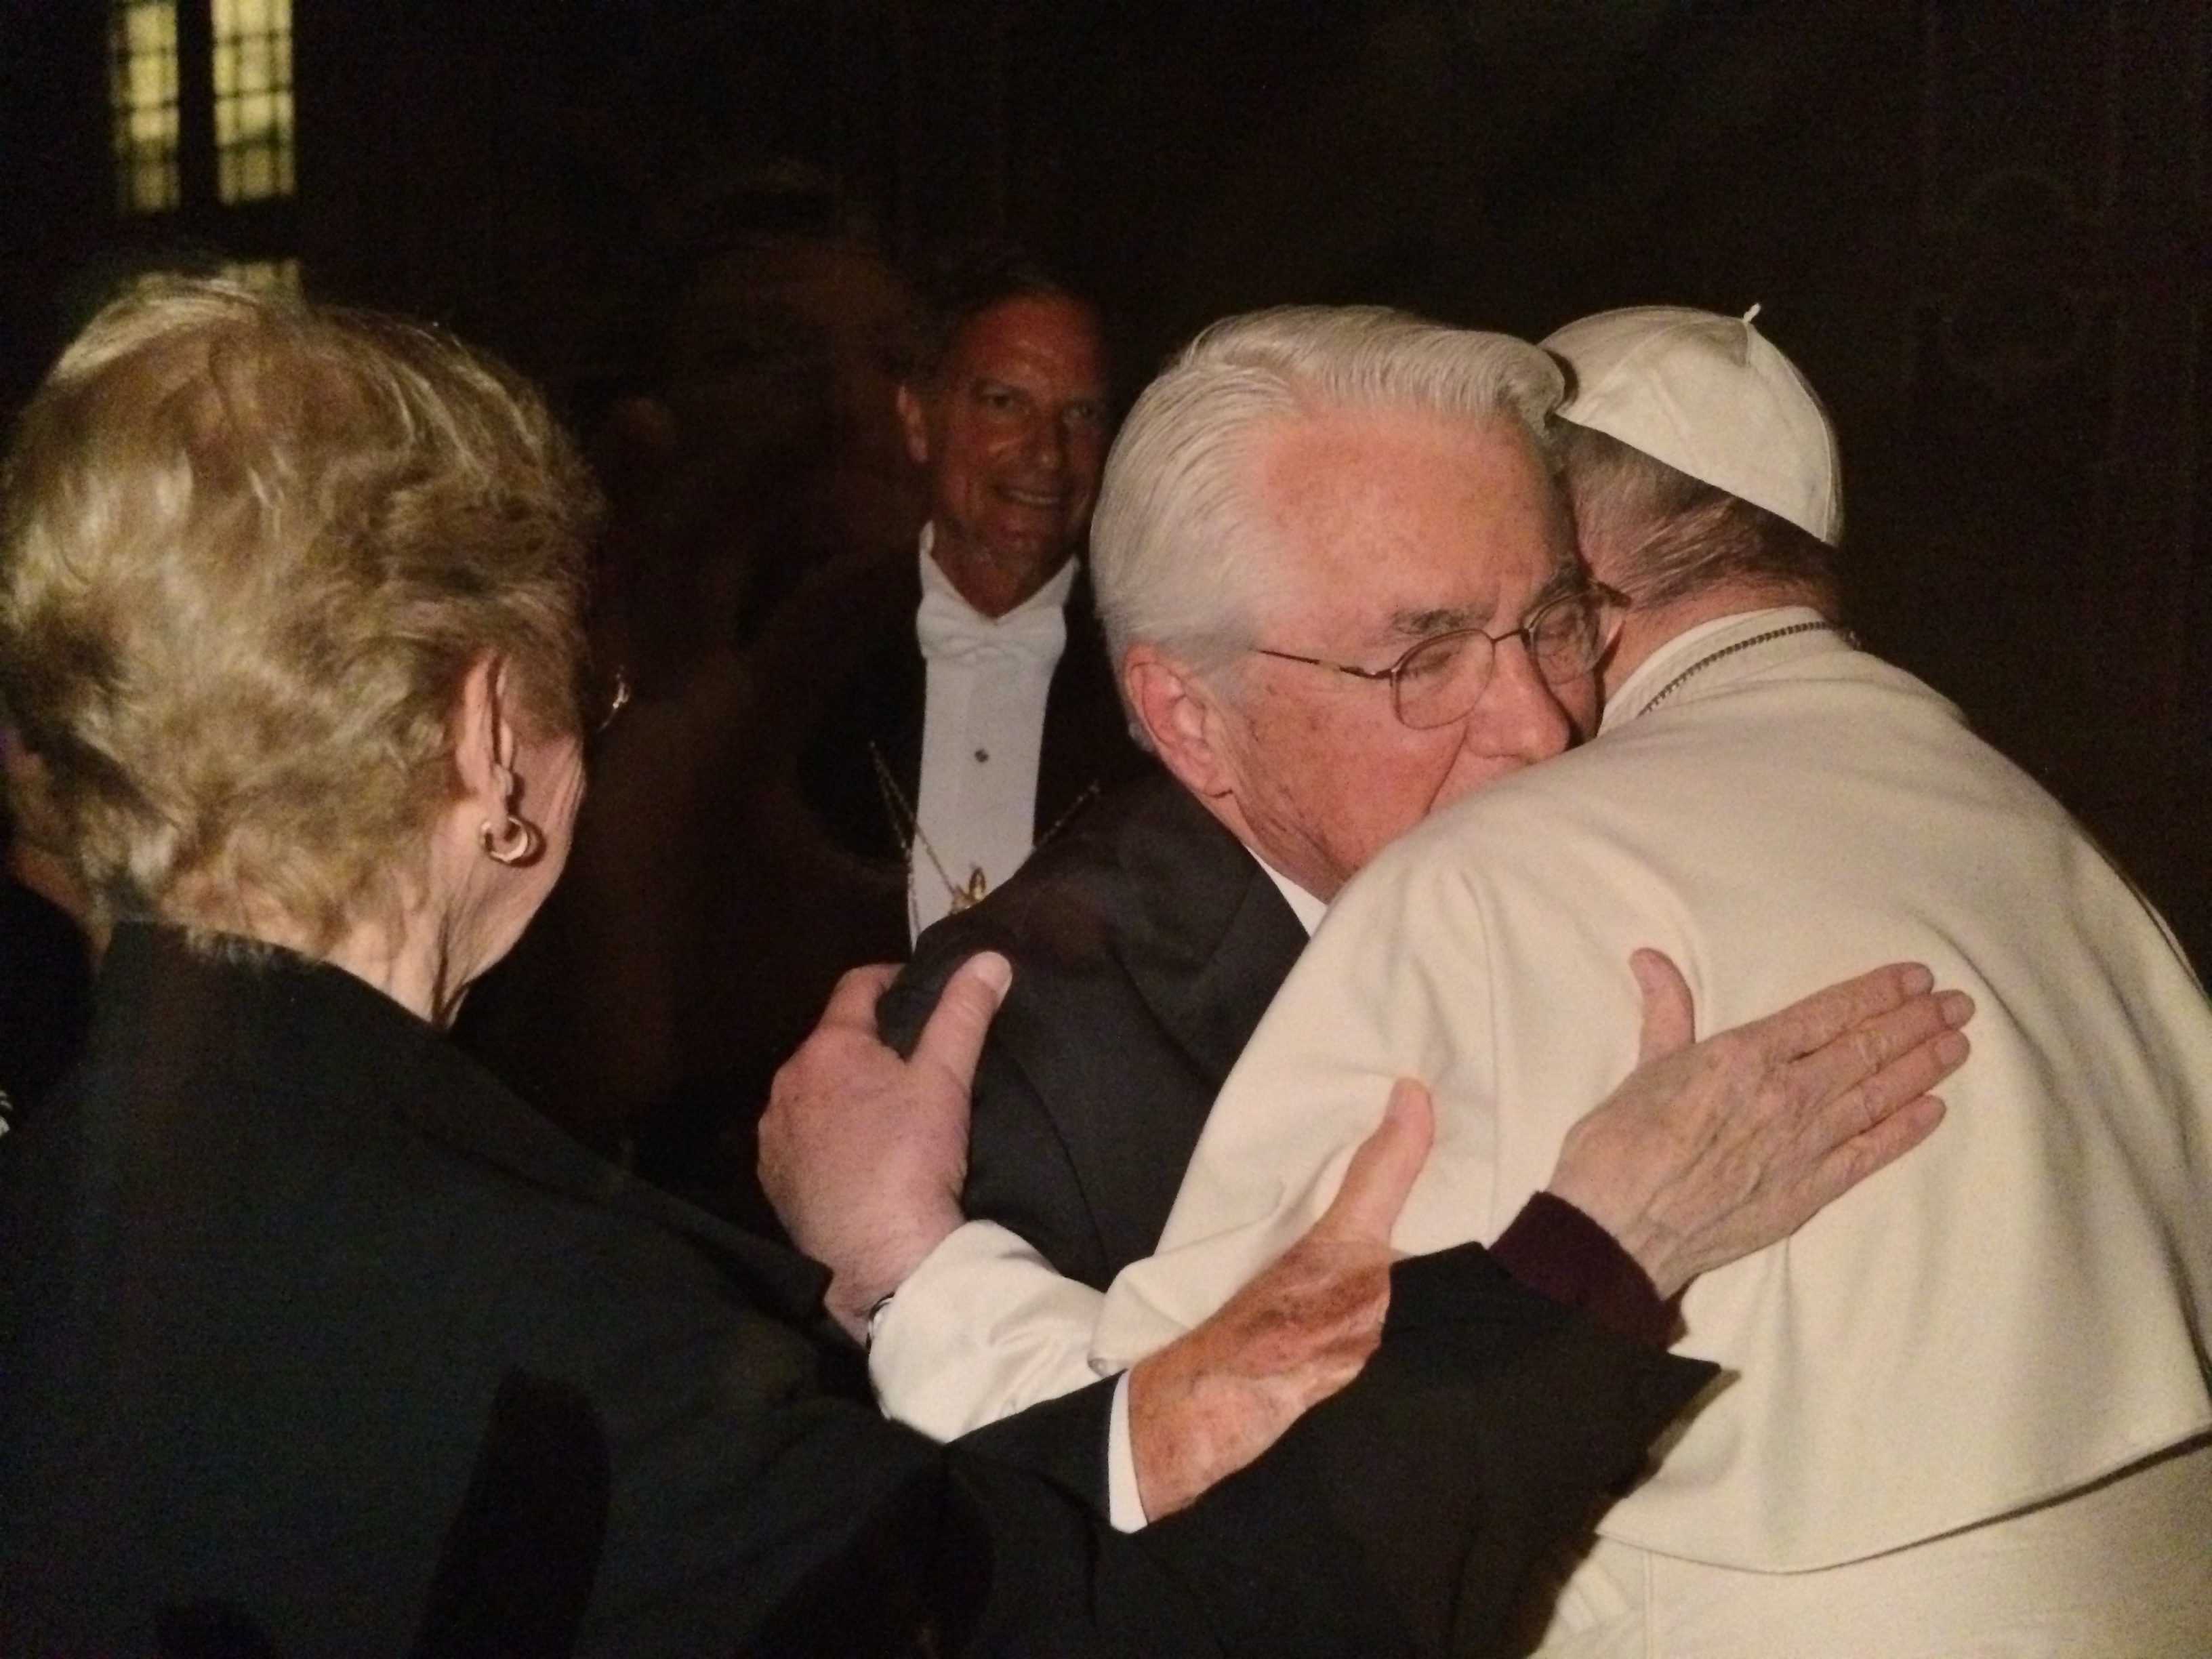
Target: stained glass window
142	68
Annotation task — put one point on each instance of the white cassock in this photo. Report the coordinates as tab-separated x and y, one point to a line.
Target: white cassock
2014	1312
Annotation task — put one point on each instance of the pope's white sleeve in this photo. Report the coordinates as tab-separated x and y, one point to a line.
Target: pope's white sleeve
983	1328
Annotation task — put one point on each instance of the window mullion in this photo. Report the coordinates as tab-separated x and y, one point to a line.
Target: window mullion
196	106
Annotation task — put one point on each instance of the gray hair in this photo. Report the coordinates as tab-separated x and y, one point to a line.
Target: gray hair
1661	536
1177	560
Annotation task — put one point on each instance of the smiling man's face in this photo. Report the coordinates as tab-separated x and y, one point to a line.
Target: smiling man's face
1011	433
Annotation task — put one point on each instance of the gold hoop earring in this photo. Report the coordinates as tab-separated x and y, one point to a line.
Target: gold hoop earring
522	842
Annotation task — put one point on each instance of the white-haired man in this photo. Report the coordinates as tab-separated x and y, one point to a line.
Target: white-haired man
1148	941
1972	1404
1304	491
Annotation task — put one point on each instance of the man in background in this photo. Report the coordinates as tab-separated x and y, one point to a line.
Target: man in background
984	716
836	727
928	716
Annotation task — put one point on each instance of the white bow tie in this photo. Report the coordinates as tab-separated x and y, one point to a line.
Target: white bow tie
951	630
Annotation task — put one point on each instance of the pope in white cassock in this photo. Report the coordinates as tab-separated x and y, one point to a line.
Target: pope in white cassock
1968	1410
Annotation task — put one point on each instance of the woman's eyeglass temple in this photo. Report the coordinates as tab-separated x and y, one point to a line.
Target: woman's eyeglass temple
606	697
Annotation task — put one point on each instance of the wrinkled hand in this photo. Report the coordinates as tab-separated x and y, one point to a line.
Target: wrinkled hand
1711	1150
1209	1403
863	1153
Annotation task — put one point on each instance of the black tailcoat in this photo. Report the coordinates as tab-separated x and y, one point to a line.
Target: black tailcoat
1146	943
878	711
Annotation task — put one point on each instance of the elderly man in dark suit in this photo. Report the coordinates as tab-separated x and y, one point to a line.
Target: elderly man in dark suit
1148	943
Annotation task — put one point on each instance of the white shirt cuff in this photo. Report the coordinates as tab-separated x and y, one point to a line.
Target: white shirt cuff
1124	1507
983	1328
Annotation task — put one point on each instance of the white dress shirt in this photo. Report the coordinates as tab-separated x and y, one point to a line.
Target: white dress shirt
982	731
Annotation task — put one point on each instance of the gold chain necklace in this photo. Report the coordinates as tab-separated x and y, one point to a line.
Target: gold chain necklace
907	830
1705	662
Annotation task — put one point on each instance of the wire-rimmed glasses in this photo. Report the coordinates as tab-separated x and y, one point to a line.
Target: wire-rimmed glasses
1441	678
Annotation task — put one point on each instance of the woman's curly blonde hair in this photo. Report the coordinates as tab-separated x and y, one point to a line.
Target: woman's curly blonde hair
249	549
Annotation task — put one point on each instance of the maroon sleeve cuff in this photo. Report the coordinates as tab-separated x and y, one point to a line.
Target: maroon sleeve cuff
1557	1251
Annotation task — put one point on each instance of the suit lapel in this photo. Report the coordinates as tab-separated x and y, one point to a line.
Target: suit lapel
1087	747
897	688
1219	939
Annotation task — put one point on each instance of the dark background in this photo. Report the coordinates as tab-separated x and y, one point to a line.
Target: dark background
1981	226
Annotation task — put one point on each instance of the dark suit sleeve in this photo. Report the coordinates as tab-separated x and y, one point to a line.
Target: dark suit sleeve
1402	1517
904	1008
746	1509
1022	1173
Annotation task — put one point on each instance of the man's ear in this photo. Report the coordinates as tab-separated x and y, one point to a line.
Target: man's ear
1183	718
914	423
484	736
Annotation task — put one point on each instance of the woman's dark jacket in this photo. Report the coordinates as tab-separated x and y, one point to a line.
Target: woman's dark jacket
317	1341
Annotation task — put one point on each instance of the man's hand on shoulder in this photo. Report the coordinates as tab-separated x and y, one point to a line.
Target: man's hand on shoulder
863	1153
1712	1149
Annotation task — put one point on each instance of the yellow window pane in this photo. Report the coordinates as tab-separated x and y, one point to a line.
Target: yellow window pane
144	85
268	20
251	17
150	26
151	186
271	275
253	98
247	121
143	99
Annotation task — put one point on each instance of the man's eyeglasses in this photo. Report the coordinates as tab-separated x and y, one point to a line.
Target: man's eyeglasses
1442	678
